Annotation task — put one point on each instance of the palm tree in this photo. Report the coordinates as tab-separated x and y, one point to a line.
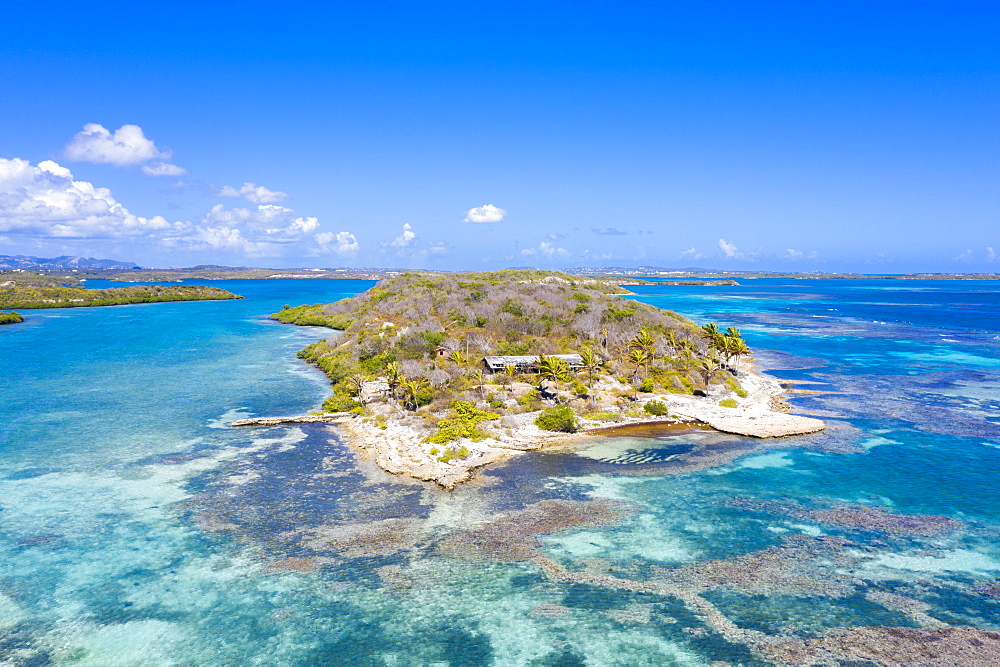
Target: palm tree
393	377
739	349
643	341
714	336
590	364
509	372
552	368
672	342
479	378
640	358
458	357
411	388
708	368
358	384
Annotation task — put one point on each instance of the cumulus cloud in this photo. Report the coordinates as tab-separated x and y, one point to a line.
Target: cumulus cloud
341	243
991	254
253	193
485	213
404	239
47	201
608	231
964	256
126	147
692	253
729	249
791	253
547	250
163	169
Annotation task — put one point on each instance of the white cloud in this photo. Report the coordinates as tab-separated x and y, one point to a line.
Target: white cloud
729	249
163	169
608	231
794	254
485	213
47	201
253	193
341	243
127	146
991	254
964	256
404	239
692	253
547	250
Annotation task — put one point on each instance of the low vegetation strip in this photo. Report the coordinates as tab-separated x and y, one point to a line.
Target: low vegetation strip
20	291
11	318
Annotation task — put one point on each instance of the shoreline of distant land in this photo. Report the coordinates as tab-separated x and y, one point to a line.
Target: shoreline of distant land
32	291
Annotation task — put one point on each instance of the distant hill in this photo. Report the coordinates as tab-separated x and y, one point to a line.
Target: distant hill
63	262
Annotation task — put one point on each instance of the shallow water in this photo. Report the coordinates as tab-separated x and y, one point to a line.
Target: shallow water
136	529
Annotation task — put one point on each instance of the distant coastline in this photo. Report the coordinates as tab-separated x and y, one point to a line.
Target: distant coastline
29	290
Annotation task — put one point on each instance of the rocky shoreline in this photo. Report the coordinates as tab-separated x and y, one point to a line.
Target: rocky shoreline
399	445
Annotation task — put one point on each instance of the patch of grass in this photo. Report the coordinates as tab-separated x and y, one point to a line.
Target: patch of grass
728	403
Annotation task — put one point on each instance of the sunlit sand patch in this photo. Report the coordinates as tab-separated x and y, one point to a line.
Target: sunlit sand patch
956	560
134	643
762	461
602	486
877	441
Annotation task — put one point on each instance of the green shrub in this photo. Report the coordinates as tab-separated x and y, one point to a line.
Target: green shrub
728	403
462	423
647	386
656	408
340	402
561	418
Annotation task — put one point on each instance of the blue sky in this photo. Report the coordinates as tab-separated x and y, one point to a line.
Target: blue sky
764	136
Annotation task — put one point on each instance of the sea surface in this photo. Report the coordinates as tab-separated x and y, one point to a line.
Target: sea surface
137	529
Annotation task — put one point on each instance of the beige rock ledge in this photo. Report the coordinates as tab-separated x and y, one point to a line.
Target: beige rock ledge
768	425
330	418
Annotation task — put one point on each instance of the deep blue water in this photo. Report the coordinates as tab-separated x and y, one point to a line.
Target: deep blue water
136	529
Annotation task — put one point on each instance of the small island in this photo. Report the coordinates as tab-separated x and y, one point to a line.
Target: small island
27	289
11	318
437	375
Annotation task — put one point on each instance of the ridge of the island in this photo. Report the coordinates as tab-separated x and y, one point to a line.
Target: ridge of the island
437	375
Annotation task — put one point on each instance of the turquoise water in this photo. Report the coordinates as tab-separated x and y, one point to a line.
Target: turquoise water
136	529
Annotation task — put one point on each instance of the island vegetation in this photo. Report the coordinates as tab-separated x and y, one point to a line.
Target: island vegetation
444	362
24	289
426	335
11	318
